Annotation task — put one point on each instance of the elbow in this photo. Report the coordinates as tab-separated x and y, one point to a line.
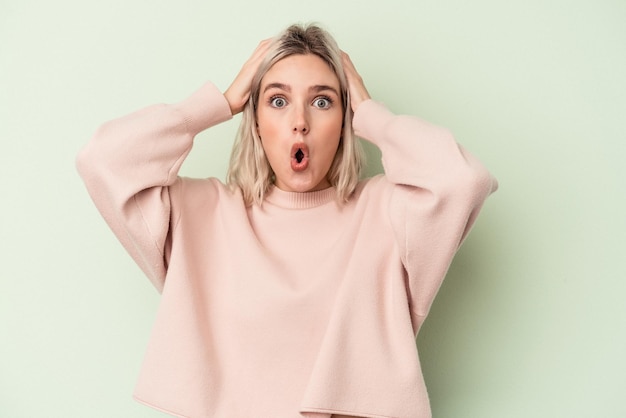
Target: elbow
475	184
474	179
464	175
87	161
467	181
92	162
92	155
83	160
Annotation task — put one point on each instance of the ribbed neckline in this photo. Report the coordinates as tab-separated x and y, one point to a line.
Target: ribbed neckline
295	200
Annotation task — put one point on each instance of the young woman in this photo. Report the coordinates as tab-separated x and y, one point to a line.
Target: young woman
296	290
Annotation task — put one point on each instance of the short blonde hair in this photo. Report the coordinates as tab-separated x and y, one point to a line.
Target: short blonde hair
249	168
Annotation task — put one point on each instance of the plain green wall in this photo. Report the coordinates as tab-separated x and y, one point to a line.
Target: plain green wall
531	320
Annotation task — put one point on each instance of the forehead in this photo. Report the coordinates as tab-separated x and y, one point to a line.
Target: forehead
301	71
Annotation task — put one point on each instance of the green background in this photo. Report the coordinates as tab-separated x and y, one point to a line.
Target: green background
531	320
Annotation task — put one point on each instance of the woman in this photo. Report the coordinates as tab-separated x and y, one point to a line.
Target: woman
295	290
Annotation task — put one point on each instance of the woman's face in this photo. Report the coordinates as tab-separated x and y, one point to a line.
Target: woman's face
299	119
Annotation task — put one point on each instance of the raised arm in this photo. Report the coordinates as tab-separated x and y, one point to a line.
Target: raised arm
439	189
130	164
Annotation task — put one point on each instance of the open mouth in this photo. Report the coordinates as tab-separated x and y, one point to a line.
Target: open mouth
299	156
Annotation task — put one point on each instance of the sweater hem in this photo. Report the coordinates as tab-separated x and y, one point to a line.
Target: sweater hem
330	411
164	410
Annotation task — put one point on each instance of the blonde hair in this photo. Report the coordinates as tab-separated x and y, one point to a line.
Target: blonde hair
249	168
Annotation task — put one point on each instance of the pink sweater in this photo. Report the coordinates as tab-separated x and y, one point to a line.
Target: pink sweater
301	306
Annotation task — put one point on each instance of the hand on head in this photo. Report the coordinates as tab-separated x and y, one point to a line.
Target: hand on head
356	88
239	91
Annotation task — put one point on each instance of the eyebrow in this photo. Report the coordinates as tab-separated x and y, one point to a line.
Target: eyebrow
316	88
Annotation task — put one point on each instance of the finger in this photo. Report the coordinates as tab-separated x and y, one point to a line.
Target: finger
356	87
347	63
261	50
354	78
239	91
253	63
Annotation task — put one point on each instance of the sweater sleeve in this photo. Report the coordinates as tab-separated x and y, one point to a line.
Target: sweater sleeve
438	190
131	164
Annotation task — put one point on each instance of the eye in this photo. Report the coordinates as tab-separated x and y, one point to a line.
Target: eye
322	102
278	102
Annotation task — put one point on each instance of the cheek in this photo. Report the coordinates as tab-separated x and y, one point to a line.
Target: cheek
331	137
266	127
268	134
334	128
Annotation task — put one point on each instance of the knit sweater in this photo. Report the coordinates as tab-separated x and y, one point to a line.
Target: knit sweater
301	306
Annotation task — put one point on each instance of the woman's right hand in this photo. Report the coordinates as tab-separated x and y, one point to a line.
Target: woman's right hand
238	93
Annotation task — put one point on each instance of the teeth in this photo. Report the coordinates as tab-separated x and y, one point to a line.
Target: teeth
299	155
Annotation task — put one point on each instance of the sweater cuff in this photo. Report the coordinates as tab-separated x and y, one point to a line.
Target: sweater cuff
204	108
370	120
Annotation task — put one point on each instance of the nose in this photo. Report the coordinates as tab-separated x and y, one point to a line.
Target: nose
301	121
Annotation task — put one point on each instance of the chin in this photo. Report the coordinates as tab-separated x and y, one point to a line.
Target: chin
299	188
302	185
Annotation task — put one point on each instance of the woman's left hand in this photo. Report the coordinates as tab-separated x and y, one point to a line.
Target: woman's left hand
356	87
